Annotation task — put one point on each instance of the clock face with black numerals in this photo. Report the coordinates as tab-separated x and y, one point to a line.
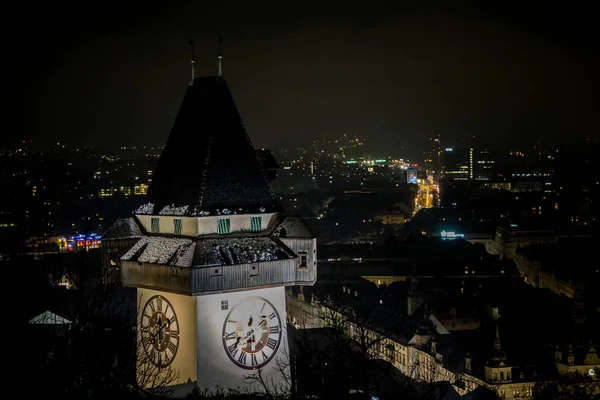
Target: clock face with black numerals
160	331
252	333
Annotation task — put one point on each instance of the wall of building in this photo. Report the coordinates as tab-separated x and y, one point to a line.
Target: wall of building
582	369
535	275
193	226
221	318
507	240
167	224
301	314
231	277
206	280
238	222
308	274
390	219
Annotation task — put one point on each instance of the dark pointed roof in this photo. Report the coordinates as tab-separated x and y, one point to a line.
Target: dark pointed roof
123	228
209	164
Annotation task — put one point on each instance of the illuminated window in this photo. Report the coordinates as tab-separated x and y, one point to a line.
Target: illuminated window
113	259
224	226
178	226
155	225
303	254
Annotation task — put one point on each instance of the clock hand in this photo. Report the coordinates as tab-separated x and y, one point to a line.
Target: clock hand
162	325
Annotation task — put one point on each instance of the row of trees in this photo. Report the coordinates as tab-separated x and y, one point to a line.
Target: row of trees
97	354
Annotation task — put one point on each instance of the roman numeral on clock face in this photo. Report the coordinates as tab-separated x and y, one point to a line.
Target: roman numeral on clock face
172	347
271	343
152	306
242	357
253	360
230	336
264	356
273	330
232	349
149	340
159	304
272	315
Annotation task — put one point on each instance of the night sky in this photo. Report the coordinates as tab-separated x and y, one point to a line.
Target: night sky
116	75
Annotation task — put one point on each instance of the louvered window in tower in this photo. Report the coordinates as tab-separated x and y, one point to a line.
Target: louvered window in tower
224	226
154	225
255	224
178	222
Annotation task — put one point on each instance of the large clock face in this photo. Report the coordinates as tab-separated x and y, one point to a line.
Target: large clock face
160	331
252	333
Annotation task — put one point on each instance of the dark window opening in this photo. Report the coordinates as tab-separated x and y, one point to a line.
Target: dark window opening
303	255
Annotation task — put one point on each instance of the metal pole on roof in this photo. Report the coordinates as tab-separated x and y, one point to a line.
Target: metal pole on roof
193	62
220	56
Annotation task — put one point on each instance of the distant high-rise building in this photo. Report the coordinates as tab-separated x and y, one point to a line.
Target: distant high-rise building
456	164
482	163
469	164
432	157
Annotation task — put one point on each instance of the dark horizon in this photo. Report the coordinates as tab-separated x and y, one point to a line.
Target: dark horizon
510	72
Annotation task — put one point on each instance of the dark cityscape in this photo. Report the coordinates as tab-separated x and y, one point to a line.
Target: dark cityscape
322	201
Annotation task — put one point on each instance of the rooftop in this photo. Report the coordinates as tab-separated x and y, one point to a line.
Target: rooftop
209	162
123	228
185	252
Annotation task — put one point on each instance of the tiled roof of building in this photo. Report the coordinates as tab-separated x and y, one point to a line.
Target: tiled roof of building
184	252
49	318
209	164
177	252
240	251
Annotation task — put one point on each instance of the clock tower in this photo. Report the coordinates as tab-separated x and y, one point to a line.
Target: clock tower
213	251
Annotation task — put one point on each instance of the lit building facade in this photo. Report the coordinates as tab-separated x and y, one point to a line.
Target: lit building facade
457	164
418	355
469	164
